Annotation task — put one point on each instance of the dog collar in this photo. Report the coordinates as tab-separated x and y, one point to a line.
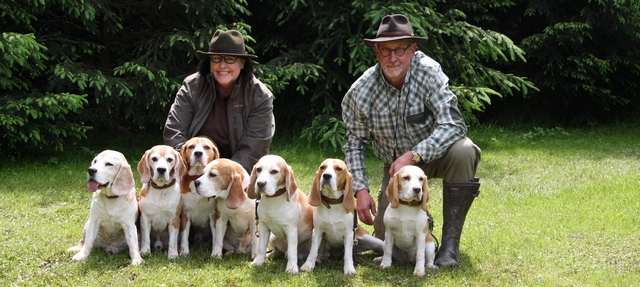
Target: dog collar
327	201
278	193
412	203
111	196
154	185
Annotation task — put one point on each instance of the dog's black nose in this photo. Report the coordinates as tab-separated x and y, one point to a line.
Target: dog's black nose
417	189
326	176
161	170
92	171
261	183
196	183
198	154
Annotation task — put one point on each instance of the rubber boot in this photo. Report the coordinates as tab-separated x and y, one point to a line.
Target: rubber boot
457	199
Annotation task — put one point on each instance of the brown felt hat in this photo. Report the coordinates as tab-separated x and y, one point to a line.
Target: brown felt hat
227	43
394	27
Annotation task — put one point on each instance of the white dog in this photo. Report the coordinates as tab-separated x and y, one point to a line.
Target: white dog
284	212
197	210
407	228
161	169
114	208
334	220
226	181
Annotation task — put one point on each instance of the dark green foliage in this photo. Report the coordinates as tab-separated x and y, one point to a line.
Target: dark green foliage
327	36
70	65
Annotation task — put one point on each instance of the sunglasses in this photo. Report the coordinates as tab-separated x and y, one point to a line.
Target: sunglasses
227	59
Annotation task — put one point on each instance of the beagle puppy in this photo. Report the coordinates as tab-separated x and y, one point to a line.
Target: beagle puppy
285	217
407	233
333	218
197	210
114	208
161	169
235	219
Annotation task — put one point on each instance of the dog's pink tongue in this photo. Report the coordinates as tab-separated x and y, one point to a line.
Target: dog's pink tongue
92	186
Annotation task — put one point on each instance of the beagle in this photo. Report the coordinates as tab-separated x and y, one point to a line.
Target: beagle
285	217
407	235
114	208
334	219
161	169
197	210
235	220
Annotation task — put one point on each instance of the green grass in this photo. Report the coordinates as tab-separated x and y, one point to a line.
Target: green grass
557	208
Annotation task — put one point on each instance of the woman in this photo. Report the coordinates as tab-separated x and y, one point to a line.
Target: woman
225	102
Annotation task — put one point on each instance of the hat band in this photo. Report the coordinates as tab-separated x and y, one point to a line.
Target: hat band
395	34
227	51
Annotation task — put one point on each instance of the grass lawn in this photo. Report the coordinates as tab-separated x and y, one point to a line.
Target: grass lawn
557	208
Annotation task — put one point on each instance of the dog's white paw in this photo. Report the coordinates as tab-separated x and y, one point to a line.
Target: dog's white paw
80	256
307	266
145	250
293	269
349	270
256	262
418	272
216	255
137	261
377	259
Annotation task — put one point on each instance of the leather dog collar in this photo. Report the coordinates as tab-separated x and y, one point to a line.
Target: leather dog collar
278	193
412	203
327	201
154	185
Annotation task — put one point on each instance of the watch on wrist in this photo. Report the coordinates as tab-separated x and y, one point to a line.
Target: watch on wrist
416	157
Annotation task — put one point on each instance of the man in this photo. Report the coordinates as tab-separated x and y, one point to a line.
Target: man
403	105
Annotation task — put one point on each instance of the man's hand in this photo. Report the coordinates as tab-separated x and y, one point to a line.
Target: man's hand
405	159
366	206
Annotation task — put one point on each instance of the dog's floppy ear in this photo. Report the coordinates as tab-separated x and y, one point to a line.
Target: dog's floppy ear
184	153
425	194
349	201
291	184
392	190
123	183
180	167
251	189
214	149
236	195
315	195
144	169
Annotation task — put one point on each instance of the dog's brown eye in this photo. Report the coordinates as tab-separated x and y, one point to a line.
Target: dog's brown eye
154	159
212	174
169	160
258	169
207	147
108	164
192	146
406	177
338	168
273	171
323	167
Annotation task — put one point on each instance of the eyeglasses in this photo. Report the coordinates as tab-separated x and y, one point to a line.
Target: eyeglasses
386	52
227	59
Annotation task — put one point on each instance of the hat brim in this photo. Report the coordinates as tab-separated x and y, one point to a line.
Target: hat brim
229	54
417	40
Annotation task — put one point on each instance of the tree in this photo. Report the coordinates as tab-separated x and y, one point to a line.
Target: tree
322	43
584	55
71	64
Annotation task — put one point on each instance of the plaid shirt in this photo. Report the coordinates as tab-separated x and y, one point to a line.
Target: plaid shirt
422	117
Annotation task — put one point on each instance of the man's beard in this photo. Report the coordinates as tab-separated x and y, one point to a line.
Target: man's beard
392	70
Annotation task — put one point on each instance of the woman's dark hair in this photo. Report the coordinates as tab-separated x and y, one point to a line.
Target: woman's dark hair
245	75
